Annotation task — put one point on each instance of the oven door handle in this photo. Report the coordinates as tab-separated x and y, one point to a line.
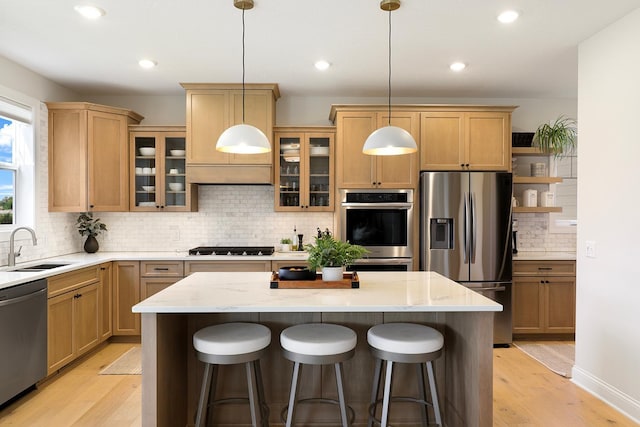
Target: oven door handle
391	261
398	206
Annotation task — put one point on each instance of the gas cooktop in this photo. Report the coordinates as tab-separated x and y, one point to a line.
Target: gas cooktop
232	250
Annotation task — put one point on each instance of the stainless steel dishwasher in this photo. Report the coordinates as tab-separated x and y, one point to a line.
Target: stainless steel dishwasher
23	337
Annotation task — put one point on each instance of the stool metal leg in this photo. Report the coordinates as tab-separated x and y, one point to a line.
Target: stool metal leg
262	402
387	394
423	393
205	391
343	405
375	390
293	394
434	393
251	390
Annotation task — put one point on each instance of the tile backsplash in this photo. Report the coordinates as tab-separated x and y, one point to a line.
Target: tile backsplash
534	235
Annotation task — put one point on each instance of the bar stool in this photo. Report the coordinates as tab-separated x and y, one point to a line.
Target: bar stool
230	344
317	344
404	343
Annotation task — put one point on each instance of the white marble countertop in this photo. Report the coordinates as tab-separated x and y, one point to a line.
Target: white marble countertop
78	260
544	256
414	291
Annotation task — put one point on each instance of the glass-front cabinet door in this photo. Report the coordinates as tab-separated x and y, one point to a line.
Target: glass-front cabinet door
304	178
159	170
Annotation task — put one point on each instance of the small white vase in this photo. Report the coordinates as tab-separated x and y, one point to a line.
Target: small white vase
331	274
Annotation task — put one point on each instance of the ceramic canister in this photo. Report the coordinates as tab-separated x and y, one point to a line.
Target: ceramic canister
530	198
547	199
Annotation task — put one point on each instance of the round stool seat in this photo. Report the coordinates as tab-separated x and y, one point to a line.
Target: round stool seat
405	338
318	339
232	338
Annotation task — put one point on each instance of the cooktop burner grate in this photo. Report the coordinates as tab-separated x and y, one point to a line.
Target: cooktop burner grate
232	250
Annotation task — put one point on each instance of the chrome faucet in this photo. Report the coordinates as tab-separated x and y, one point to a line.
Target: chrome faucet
12	253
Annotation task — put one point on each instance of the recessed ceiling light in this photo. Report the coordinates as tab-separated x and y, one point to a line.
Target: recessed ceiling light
322	65
457	66
508	16
90	12
147	63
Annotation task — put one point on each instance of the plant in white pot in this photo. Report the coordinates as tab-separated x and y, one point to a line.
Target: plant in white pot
558	138
90	227
332	256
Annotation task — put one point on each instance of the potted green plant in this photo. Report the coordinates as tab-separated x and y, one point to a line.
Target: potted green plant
332	255
558	138
91	227
285	244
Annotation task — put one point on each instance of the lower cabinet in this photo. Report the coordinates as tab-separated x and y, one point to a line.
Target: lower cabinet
158	275
544	297
126	294
105	290
73	316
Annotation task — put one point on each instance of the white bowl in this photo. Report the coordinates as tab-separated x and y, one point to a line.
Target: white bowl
177	153
147	151
146	203
148	187
176	186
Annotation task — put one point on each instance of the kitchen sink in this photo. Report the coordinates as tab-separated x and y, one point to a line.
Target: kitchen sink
41	267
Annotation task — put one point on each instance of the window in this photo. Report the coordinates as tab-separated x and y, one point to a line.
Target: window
566	195
16	164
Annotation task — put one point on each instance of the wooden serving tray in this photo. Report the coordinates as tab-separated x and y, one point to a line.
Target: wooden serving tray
349	281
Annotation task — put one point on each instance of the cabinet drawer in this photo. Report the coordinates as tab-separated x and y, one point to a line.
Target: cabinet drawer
226	266
544	268
161	269
65	282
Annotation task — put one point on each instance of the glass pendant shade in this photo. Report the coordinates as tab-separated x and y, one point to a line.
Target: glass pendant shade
243	139
389	141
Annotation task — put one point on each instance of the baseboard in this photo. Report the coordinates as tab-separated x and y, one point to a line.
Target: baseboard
614	397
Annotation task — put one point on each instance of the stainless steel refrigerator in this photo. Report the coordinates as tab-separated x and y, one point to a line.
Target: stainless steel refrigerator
465	235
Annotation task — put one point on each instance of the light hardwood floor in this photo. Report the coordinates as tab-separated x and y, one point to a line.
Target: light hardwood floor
525	394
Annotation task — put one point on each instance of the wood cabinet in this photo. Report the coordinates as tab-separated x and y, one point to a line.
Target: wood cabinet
158	176
544	297
522	180
88	157
73	313
211	109
466	140
158	275
105	295
126	294
228	266
354	169
304	178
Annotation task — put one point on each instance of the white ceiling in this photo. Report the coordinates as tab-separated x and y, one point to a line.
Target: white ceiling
200	41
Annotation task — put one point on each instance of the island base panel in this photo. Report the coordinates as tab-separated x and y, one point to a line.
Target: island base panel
172	373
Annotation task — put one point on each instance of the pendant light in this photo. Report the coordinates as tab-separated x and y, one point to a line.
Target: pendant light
243	138
389	140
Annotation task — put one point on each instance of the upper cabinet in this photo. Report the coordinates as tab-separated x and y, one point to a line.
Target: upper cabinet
304	175
211	109
457	138
158	175
354	169
89	157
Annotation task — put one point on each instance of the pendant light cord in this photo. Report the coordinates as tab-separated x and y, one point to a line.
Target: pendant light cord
389	96
243	65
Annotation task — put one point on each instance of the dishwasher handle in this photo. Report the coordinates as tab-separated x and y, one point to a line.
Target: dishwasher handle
22	298
495	288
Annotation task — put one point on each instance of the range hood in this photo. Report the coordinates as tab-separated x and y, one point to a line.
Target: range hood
230	174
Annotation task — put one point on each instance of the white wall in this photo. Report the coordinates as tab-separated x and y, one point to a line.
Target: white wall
608	294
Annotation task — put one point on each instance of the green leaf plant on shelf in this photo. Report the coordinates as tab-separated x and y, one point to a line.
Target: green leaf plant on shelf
332	255
558	138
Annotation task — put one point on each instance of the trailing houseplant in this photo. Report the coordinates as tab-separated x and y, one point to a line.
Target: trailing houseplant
91	227
558	138
332	255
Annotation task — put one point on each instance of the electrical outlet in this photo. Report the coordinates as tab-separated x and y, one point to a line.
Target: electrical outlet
591	248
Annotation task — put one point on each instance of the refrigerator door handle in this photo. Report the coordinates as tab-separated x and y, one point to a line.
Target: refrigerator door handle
472	234
467	229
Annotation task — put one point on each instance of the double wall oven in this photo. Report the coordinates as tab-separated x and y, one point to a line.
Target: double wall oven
382	222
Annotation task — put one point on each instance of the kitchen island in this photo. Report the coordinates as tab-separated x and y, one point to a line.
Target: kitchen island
171	373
